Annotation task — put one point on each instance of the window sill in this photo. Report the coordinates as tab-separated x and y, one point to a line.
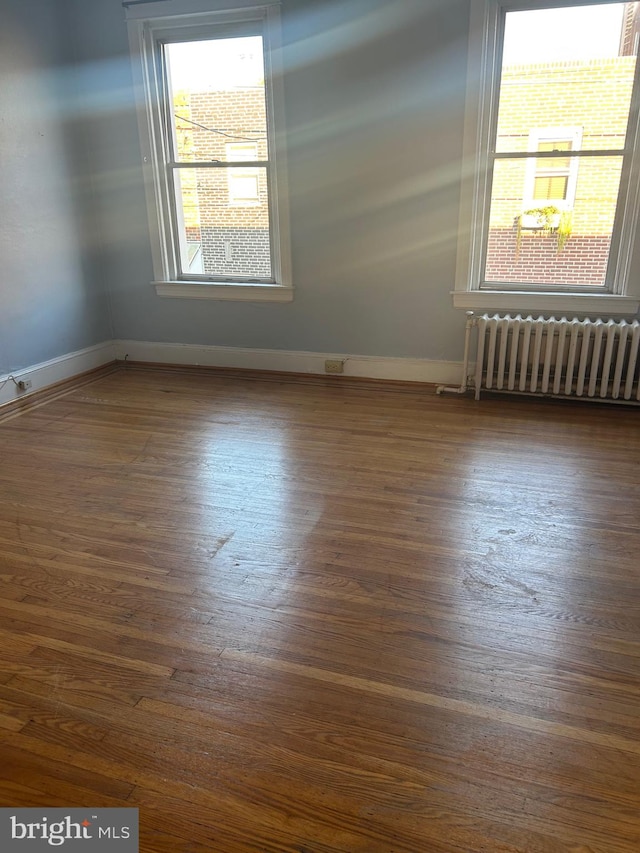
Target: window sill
605	305
221	290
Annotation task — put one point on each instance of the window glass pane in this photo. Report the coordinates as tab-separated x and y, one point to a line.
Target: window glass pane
566	67
223	220
552	243
555	145
551	187
243	187
217	94
241	151
558	164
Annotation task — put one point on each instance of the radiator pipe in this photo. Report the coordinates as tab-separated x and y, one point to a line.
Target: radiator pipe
462	388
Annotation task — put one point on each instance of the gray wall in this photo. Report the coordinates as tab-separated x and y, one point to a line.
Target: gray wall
374	102
51	302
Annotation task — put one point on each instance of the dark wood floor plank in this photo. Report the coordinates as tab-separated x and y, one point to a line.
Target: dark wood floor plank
318	617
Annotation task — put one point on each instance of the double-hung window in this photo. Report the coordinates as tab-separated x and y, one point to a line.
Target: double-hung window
549	205
212	135
553	180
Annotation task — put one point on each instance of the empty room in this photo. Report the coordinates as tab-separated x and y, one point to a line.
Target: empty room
319	438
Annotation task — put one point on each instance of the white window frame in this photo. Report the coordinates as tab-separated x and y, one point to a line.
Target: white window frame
621	296
148	25
552	134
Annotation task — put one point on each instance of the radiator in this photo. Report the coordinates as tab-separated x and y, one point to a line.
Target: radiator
590	359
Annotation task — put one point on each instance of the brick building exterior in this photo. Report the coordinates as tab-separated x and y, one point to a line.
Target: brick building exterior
586	98
630	35
226	210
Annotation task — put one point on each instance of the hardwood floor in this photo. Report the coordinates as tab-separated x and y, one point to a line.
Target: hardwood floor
322	617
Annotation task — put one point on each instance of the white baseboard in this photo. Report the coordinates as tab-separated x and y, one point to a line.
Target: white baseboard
366	366
56	370
370	367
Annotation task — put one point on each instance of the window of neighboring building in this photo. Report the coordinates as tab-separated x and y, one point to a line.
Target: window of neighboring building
212	104
552	180
550	209
244	184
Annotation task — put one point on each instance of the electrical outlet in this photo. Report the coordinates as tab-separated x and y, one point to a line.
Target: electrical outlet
334	365
24	384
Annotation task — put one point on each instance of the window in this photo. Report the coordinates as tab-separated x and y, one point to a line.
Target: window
549	209
551	177
552	181
244	184
211	127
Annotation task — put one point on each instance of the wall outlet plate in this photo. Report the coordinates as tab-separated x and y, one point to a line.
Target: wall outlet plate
334	365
